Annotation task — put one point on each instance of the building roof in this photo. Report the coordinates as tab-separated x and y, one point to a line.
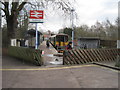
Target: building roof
33	32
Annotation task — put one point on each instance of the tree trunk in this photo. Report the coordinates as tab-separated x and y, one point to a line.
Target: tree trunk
11	27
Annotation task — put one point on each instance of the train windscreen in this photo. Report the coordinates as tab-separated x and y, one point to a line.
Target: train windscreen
62	38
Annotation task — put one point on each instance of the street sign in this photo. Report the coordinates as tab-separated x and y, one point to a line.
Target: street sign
36	16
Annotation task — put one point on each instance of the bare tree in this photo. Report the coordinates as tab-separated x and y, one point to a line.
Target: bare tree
12	9
11	15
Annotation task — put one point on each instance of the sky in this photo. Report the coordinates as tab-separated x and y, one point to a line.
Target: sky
88	12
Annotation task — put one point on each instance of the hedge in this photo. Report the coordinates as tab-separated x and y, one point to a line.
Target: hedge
26	54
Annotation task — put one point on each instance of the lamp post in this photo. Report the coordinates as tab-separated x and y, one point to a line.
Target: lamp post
118	41
0	17
72	19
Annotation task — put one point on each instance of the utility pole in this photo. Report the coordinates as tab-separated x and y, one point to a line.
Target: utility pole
0	17
72	19
118	41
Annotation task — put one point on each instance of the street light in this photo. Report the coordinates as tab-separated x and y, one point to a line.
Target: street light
72	19
0	17
118	41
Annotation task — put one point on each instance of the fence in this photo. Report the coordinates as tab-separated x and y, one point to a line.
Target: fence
82	56
26	54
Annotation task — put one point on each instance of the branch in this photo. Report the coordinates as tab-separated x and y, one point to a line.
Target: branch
7	8
32	5
3	10
21	6
2	3
14	7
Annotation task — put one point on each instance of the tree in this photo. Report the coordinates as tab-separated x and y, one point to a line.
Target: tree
80	32
4	36
11	15
22	26
111	30
12	9
68	31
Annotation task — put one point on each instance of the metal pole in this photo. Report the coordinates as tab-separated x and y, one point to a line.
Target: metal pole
36	43
118	41
0	17
72	10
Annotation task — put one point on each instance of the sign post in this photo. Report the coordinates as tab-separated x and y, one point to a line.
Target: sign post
36	16
36	41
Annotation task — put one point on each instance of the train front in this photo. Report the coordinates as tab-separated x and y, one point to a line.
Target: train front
61	42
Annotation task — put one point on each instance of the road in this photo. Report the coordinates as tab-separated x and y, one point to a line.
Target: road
16	74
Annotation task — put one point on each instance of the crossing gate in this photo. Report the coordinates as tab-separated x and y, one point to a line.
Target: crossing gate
82	56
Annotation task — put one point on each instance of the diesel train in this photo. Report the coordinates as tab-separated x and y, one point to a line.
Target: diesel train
59	41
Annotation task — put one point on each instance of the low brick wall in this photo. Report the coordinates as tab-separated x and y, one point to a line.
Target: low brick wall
26	54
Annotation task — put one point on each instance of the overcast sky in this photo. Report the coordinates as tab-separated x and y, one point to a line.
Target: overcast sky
88	12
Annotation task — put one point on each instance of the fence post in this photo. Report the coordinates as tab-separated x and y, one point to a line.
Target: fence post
63	58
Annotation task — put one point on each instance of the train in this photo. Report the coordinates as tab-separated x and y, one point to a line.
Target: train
59	42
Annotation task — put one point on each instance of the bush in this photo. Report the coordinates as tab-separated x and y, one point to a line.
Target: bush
26	54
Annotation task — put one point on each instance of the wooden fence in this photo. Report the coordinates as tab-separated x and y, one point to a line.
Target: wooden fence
82	56
26	54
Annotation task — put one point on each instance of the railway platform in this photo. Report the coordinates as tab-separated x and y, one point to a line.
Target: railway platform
16	74
81	76
49	57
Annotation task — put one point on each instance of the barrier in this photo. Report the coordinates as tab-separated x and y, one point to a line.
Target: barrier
82	56
26	54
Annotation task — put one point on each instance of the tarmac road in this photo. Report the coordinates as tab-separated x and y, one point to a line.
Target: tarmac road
19	74
15	74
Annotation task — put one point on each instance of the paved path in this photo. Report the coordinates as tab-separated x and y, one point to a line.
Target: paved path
49	58
84	76
16	74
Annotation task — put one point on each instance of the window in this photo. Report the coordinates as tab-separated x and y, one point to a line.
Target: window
62	38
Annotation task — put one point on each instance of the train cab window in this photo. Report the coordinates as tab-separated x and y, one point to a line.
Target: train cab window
62	38
65	38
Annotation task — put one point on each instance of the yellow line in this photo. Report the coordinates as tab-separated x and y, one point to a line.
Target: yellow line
52	68
58	68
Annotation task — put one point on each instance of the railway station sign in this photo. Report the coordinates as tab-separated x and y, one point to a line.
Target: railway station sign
36	16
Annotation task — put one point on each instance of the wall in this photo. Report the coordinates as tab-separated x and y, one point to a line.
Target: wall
88	43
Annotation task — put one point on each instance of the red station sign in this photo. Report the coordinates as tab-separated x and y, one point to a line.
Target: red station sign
36	16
